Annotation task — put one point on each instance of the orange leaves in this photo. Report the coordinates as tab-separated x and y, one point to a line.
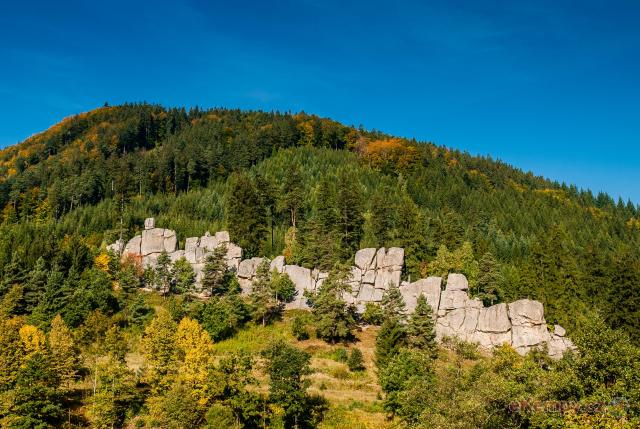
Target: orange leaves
392	154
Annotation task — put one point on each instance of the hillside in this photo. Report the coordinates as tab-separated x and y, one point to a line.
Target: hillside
257	173
315	191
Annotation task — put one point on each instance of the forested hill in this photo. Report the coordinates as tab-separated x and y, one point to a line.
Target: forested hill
314	190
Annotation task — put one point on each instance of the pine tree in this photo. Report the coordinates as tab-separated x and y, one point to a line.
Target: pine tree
391	337
334	318
349	219
183	277
35	285
214	272
421	328
393	305
246	213
264	305
162	277
489	284
64	353
356	361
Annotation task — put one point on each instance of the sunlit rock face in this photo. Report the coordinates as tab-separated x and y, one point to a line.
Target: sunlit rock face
521	324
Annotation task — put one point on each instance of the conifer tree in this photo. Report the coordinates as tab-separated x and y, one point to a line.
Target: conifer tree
421	328
349	219
334	318
246	213
183	278
162	275
489	284
355	361
35	285
393	305
264	305
214	272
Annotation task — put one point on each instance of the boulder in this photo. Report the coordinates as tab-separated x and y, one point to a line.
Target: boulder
248	268
209	242
301	278
394	259
190	246
170	240
117	247
222	237
380	254
152	241
366	293
457	282
526	312
369	277
451	300
133	246
524	338
176	255
364	258
559	331
494	319
149	223
277	264
429	287
385	277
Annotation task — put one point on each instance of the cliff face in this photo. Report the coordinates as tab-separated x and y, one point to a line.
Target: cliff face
520	324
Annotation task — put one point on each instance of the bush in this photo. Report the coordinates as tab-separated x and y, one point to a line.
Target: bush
372	314
299	329
341	355
356	361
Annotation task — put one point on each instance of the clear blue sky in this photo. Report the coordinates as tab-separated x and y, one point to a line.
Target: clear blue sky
548	86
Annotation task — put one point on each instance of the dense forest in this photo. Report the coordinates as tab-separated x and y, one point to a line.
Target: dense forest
82	345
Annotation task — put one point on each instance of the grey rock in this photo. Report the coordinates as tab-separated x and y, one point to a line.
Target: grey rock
364	258
380	254
170	241
209	242
369	277
222	237
301	278
277	264
526	312
494	319
429	287
457	282
248	267
176	255
559	331
117	247
152	241
394	258
133	246
190	246
366	293
149	223
452	299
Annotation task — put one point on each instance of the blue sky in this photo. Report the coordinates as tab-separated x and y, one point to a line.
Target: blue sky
548	86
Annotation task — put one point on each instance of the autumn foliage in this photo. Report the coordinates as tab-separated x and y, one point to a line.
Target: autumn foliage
392	154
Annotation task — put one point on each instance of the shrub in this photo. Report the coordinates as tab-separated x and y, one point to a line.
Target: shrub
356	361
299	329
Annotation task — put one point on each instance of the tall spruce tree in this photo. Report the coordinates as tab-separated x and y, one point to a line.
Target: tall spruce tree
421	328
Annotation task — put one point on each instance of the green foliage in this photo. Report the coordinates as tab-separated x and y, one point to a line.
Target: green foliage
373	314
263	298
390	339
183	277
335	320
214	274
221	317
246	210
162	276
299	329
393	305
421	328
489	285
406	369
356	360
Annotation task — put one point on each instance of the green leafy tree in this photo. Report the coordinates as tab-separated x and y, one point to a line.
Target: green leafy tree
114	393
287	366
405	369
299	329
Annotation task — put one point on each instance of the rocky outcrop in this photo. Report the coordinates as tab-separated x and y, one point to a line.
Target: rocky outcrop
520	324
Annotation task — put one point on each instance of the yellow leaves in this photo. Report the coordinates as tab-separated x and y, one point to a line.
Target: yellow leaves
33	339
633	223
196	347
393	153
102	261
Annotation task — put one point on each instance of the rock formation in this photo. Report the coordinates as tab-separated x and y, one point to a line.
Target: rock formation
520	324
